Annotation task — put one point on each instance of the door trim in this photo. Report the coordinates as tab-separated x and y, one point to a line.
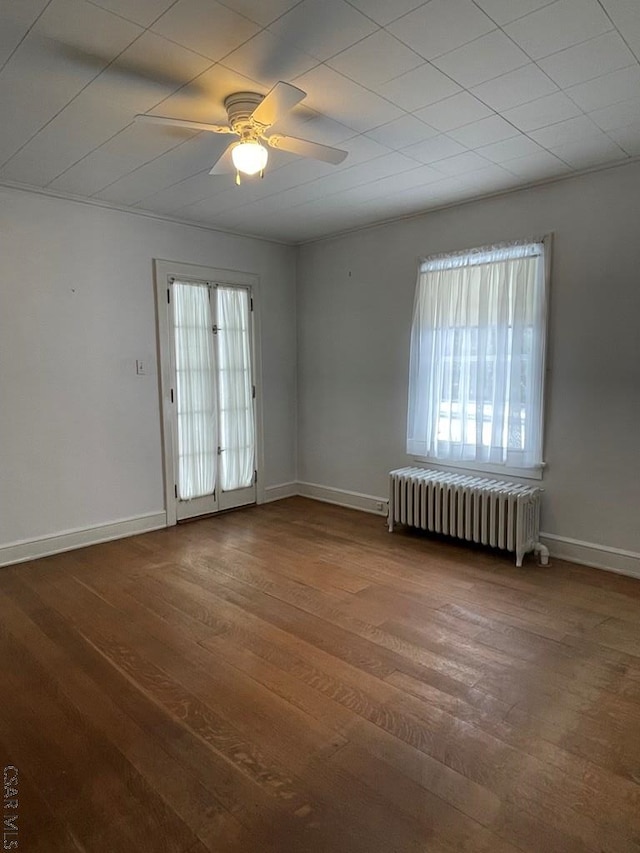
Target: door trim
163	271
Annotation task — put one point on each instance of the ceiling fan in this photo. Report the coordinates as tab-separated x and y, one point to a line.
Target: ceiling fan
250	117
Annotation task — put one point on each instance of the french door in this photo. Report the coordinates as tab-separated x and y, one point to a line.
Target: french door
209	417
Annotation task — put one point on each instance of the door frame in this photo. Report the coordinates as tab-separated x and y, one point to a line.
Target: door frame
164	271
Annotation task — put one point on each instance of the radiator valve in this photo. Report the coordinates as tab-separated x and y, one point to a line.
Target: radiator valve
543	553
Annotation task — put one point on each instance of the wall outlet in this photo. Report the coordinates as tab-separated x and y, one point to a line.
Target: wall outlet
379	505
141	367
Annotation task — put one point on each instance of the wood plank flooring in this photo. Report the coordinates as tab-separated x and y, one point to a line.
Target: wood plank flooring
294	679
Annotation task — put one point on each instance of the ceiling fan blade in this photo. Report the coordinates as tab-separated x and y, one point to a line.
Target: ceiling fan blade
224	163
189	125
282	98
307	149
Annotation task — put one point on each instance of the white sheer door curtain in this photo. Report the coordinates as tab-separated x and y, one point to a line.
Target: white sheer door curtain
214	391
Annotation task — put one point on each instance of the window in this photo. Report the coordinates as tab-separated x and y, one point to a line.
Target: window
477	358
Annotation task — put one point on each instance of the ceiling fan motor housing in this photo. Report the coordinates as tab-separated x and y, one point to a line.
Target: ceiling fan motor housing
239	107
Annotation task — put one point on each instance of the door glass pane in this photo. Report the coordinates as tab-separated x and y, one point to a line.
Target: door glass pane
195	390
235	386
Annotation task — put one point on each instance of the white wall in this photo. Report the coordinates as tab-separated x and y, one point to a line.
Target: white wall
79	431
355	298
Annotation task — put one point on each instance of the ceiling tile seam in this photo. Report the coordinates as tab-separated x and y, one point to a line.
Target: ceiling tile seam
608	133
459	203
188	82
380	29
622	148
261	29
404	152
88	154
497	29
584	112
235	11
264	26
585	42
519	18
434	165
424	62
384	26
197	52
253	80
402	149
617	29
337	53
142	165
10	57
130	20
587	113
203	172
391	194
366	89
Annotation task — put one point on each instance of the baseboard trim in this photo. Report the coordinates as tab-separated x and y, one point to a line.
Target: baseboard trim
283	490
597	556
591	554
69	540
341	497
604	557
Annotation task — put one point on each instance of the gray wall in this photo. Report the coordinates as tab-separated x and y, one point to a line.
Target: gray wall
355	298
79	431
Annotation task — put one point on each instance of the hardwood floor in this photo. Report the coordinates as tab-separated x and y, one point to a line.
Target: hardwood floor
293	679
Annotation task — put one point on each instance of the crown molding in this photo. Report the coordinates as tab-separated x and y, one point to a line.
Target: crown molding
381	223
149	214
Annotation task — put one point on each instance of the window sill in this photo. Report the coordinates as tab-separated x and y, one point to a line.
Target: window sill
485	468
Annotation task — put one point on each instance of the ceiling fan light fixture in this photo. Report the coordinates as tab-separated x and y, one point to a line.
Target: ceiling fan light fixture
249	157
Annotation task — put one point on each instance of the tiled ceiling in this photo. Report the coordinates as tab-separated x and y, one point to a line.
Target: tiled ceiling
436	102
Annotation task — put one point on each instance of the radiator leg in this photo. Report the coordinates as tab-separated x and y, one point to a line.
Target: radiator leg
519	558
390	520
543	552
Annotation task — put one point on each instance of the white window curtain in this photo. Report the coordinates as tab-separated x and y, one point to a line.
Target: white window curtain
195	390
237	440
477	357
